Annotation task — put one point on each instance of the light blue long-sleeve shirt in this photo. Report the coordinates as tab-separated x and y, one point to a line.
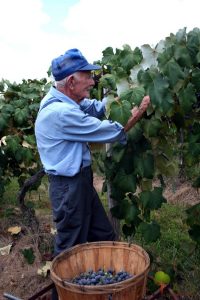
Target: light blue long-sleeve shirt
64	129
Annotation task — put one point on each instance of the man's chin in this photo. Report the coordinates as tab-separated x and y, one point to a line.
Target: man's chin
87	95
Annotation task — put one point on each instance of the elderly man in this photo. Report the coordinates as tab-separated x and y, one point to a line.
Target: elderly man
67	121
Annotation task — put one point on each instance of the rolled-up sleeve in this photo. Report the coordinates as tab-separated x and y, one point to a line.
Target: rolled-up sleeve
94	107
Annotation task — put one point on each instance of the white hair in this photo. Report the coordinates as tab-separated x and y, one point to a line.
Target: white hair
61	82
64	80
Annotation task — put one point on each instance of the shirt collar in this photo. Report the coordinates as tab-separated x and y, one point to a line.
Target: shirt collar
62	97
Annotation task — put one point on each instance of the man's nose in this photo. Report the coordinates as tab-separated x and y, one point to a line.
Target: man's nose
92	81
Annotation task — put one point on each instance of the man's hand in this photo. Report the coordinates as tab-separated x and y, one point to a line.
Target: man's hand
137	113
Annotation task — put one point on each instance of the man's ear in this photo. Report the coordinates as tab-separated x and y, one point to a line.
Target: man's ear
70	81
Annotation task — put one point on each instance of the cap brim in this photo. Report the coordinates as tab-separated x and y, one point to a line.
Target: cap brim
90	67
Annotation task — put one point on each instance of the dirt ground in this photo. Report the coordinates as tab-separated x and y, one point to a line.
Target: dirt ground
20	278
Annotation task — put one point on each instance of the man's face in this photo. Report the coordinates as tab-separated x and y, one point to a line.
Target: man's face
82	82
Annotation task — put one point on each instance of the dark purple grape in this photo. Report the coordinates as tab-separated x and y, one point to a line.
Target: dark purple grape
101	277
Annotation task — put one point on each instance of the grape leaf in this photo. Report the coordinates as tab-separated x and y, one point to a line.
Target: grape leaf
152	199
126	182
125	210
152	127
21	115
120	111
174	73
144	165
187	97
182	56
134	96
150	231
196	78
13	143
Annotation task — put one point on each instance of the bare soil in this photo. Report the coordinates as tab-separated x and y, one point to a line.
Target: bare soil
20	278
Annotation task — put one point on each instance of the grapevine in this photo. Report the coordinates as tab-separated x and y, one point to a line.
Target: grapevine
19	104
166	141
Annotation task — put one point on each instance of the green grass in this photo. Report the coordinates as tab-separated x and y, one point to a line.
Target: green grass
11	191
38	199
175	253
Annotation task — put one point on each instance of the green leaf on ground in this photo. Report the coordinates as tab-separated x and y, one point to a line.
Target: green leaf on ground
28	255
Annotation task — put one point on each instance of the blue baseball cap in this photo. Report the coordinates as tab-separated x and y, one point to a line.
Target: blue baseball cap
69	63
